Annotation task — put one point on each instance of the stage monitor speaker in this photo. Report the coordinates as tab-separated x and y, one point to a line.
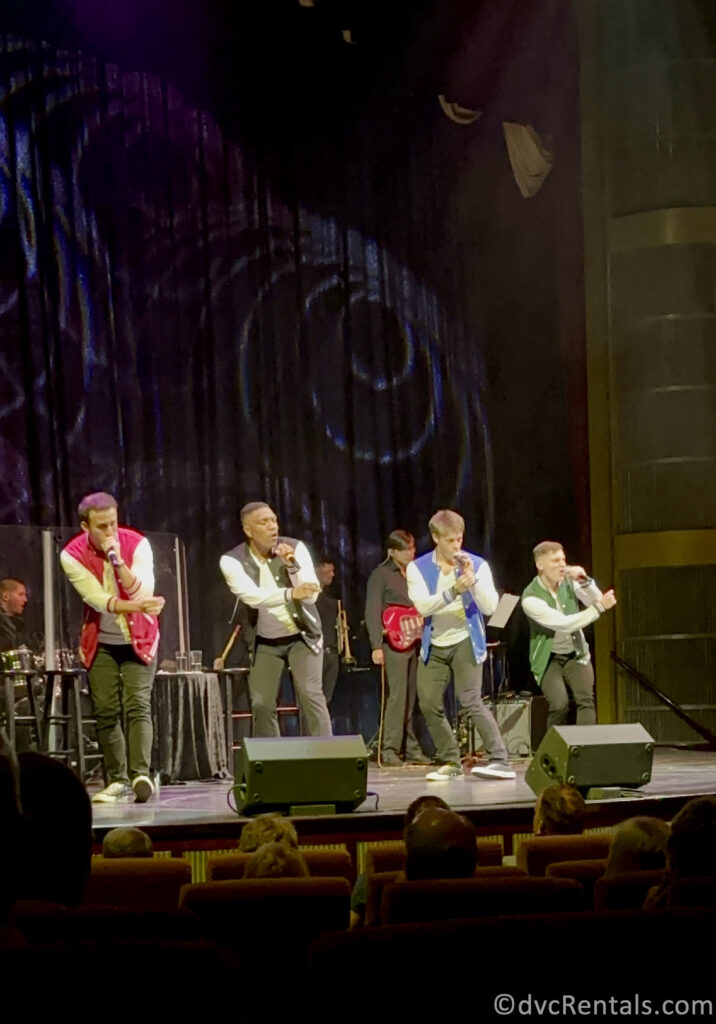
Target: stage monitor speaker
301	774
592	756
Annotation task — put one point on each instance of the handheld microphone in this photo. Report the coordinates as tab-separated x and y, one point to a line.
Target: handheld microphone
289	560
113	558
463	561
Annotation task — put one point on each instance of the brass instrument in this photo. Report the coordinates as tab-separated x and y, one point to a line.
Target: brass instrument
344	645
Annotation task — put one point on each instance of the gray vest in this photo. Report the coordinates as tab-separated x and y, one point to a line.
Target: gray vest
305	616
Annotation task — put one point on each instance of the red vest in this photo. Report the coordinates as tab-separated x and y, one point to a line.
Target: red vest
143	628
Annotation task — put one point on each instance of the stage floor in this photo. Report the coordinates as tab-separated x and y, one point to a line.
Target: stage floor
193	812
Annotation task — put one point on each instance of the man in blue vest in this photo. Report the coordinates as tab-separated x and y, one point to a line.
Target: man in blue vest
276	584
559	654
453	589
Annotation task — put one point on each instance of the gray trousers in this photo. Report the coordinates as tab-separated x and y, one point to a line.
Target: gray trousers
120	684
458	663
564	671
401	681
331	668
306	667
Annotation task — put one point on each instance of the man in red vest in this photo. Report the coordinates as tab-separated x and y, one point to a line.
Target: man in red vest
112	569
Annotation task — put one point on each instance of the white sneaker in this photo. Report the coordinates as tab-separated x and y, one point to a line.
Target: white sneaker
112	793
143	788
445	772
494	770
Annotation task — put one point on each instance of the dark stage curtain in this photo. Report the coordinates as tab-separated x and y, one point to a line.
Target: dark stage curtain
241	257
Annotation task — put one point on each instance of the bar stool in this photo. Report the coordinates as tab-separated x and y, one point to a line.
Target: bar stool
69	721
12	679
231	678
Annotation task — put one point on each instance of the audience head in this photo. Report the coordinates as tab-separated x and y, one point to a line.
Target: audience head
276	860
421	803
267	828
440	844
127	842
639	844
691	849
57	831
559	811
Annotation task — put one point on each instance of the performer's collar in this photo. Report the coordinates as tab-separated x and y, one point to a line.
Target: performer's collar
258	555
545	584
444	567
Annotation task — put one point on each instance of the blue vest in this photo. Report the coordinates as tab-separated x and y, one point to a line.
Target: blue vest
430	571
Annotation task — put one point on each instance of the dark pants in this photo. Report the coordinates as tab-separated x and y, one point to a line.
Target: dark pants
565	672
331	666
401	669
270	660
458	663
121	687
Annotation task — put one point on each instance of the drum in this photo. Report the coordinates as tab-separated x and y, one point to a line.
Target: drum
18	660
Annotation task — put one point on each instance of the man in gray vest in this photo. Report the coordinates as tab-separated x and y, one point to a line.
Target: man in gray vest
276	584
559	655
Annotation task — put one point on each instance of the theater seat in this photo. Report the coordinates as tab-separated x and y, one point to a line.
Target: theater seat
585	955
535	853
321	864
586	872
137	882
149	977
627	891
693	892
452	899
47	922
255	918
391	856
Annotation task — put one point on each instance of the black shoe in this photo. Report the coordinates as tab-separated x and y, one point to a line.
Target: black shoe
418	759
389	759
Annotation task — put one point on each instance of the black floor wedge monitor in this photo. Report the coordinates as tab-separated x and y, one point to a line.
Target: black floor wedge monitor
301	775
593	757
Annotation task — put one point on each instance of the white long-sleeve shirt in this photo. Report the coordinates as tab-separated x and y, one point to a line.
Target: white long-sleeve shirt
113	629
564	625
269	596
449	622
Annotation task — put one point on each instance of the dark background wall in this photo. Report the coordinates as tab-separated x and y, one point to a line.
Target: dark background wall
649	130
242	257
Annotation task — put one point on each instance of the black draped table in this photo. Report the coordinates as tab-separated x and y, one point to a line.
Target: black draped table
189	733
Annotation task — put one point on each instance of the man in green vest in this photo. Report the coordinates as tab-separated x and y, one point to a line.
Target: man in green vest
559	655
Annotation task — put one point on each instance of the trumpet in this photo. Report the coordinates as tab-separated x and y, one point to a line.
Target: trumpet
344	645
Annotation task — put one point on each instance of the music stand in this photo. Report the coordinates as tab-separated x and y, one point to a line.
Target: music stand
498	620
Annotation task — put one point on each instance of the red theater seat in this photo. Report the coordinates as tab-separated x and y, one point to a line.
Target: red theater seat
391	856
535	853
321	864
452	899
137	882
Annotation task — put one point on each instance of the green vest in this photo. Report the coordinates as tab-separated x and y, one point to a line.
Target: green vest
541	637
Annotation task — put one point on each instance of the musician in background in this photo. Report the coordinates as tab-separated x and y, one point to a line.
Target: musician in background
13	599
387	587
328	609
453	589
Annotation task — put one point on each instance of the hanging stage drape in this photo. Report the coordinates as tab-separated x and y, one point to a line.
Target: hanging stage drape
246	259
